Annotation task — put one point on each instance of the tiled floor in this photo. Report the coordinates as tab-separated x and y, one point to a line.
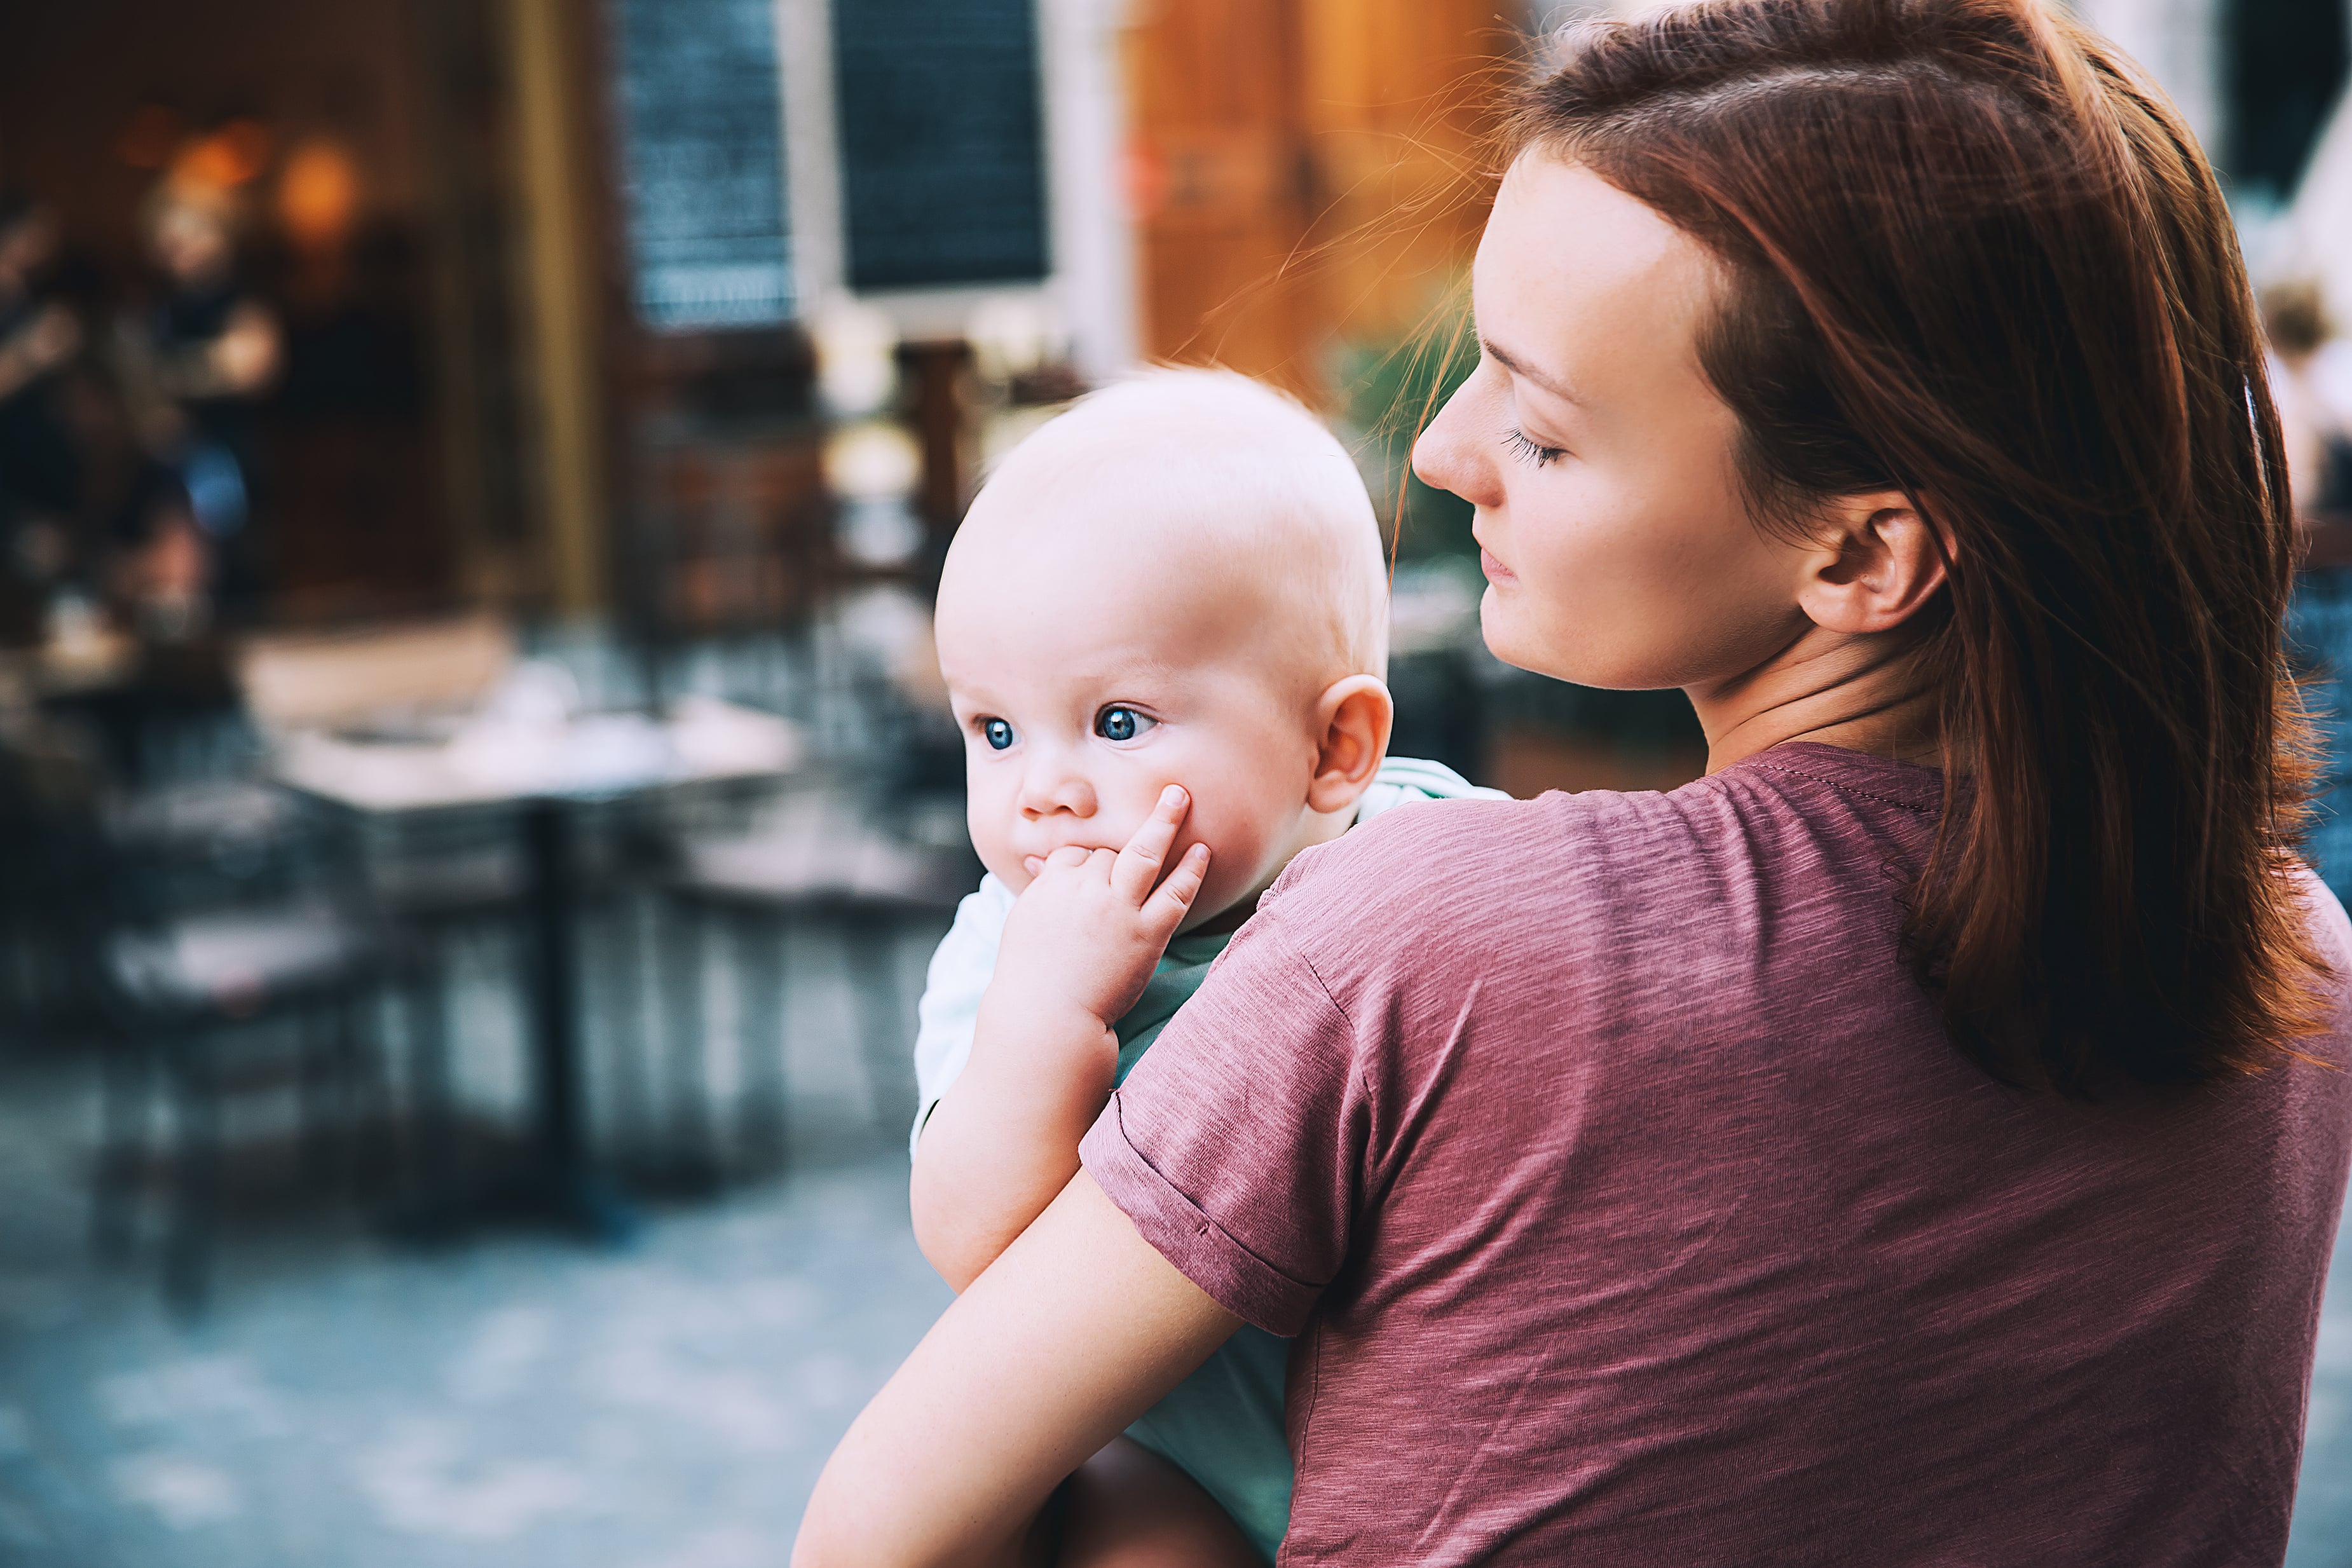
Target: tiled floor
514	1398
523	1402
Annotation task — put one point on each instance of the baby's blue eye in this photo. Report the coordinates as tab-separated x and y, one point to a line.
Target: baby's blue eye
1116	723
998	733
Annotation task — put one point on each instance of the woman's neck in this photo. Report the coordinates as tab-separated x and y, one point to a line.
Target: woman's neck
1866	693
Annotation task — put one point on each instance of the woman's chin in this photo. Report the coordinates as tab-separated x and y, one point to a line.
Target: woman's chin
1538	653
1509	640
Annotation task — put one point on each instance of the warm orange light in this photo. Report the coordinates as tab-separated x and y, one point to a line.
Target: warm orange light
318	195
149	136
229	157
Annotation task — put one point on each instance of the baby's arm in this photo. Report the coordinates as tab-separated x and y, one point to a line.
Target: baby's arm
1004	1138
1078	947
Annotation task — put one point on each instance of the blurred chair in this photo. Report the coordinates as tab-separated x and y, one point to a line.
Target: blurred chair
443	876
193	937
456	877
818	867
166	714
405	674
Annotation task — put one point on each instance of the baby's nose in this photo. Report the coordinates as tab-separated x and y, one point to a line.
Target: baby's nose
1047	790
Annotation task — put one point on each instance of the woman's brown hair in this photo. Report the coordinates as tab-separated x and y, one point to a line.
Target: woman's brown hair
1973	258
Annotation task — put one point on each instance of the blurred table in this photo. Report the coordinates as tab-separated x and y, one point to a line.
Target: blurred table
129	695
546	771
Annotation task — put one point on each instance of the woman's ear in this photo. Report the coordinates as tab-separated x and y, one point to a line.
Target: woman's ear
1353	717
1878	560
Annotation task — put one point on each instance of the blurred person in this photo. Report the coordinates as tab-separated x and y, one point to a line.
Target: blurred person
163	572
198	361
40	488
1217	631
2313	417
1919	1141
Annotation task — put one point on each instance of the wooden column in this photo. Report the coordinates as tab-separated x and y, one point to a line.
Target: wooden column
561	305
936	409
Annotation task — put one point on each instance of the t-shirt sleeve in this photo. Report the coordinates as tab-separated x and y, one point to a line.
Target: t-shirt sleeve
1235	1146
948	1013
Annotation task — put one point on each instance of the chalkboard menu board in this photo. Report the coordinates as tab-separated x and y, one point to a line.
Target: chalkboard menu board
702	158
942	160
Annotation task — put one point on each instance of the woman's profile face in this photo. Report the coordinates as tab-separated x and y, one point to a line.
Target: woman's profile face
1618	550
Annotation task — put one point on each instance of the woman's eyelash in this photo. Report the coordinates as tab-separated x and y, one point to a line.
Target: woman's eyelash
1528	451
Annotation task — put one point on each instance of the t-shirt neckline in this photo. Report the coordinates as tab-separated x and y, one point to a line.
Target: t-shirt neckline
1911	785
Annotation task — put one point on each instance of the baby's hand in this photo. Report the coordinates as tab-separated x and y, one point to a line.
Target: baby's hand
1088	931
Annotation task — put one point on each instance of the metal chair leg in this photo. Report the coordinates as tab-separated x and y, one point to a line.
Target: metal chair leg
764	1123
366	1094
621	981
885	1030
124	1110
187	1260
318	1092
692	1156
430	1158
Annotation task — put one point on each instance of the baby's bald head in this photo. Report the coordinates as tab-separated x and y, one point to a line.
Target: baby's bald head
1179	581
1202	487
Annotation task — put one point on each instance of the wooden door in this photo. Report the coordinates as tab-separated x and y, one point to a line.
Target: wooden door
1308	173
1220	175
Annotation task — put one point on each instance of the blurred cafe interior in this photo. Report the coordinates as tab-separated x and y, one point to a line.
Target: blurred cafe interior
478	791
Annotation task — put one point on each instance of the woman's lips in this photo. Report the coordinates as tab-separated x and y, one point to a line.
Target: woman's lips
1495	569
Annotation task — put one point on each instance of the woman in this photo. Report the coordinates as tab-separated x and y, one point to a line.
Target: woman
1918	1141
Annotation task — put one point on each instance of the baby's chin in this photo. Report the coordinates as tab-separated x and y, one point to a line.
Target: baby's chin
1217	921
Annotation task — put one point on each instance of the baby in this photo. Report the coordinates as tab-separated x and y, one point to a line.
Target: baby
1166	621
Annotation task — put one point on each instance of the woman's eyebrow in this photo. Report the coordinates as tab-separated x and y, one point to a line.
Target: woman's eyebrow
1520	368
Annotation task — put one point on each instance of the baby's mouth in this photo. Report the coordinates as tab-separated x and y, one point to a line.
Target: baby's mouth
1033	864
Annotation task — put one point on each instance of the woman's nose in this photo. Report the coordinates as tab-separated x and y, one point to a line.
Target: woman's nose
1050	787
1446	457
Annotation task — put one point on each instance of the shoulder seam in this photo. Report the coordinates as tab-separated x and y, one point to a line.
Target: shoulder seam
1355	1059
1273	917
1843	788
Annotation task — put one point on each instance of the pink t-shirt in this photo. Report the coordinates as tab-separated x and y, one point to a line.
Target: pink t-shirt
1633	1208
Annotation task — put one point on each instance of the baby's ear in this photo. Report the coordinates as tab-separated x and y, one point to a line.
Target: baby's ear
1353	717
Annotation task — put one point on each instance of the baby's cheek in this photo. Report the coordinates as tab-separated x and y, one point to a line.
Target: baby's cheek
1234	854
992	842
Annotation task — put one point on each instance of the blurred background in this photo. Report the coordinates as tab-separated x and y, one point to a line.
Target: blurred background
477	793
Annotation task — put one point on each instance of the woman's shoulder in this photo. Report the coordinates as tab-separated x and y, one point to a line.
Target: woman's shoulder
1462	867
1418	841
2330	929
1598	873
